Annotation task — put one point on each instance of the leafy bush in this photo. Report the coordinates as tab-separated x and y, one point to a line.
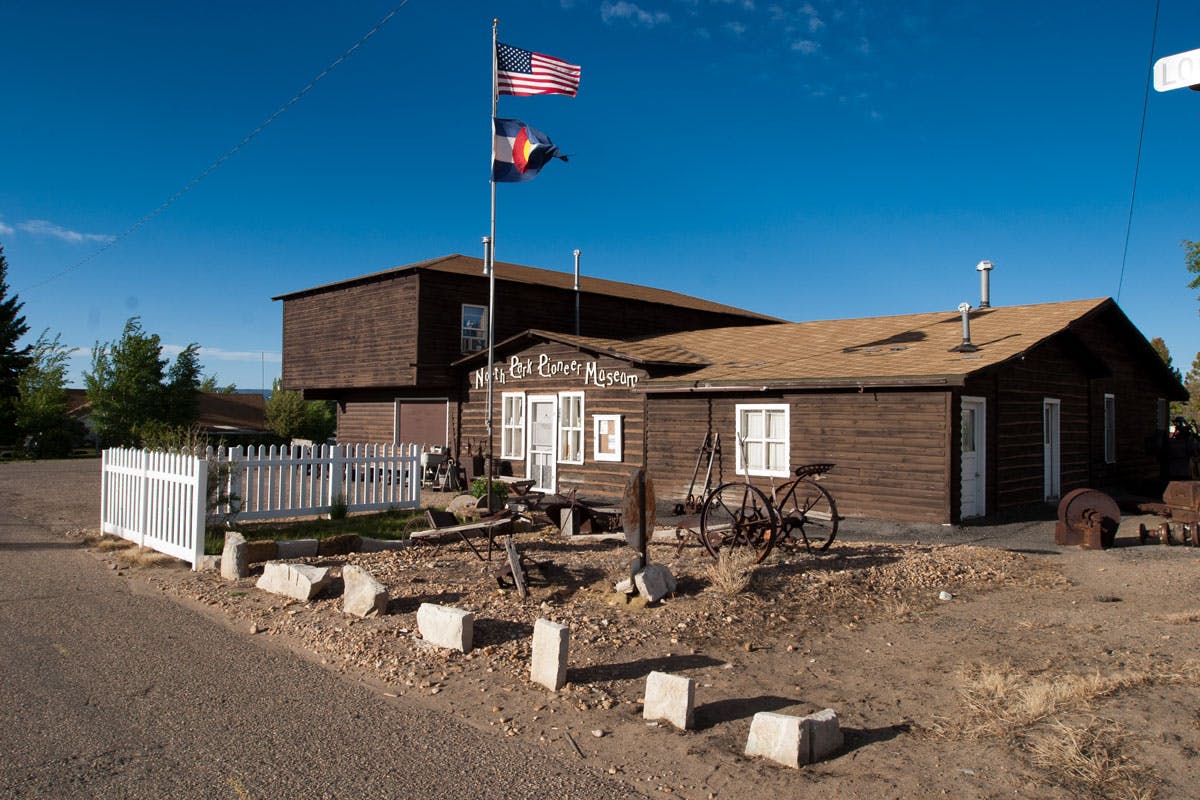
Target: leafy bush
499	490
338	508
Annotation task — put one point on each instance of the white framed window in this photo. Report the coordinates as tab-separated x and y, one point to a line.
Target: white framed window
606	437
474	328
512	425
1162	420
764	441
570	427
1110	429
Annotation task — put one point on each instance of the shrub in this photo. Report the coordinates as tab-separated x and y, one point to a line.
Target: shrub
338	508
499	490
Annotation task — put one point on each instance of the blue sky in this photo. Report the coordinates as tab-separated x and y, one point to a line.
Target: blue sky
810	160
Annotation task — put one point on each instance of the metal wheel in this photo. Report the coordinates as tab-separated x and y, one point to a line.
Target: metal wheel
807	514
737	515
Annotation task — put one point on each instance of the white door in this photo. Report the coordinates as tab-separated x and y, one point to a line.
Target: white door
974	456
541	420
1051	449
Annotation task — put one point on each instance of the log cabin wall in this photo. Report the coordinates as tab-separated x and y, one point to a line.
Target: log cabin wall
890	447
369	418
352	336
520	307
597	480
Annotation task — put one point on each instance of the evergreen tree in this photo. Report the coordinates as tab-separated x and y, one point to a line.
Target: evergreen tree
13	359
184	384
1164	353
42	419
125	385
1192	259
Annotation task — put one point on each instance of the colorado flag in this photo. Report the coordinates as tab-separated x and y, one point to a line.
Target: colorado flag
520	151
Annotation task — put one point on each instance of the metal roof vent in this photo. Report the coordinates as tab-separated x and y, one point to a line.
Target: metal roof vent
966	346
984	268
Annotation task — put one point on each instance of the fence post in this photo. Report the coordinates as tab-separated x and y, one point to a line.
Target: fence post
337	471
200	515
142	485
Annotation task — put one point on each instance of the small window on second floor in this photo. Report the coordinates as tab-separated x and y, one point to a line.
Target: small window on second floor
474	328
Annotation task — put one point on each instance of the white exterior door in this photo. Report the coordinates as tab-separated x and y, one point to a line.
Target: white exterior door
974	456
541	421
1051	449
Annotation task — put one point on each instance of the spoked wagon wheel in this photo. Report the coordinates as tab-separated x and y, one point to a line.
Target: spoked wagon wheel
807	514
737	515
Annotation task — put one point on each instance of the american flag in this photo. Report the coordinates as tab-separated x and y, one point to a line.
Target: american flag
521	72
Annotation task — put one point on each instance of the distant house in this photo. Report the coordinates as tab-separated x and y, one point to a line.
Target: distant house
382	345
232	417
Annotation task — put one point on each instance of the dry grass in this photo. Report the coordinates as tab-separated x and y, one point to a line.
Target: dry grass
1089	760
109	543
1182	617
733	571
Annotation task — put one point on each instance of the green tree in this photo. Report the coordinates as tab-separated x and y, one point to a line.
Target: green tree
125	385
13	359
184	383
1191	409
42	418
1164	353
1192	259
291	416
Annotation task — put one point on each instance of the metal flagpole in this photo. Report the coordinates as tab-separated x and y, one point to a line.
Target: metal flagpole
489	257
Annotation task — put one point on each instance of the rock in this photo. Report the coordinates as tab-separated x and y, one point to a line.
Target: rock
209	564
233	558
548	664
364	596
792	741
295	548
654	582
670	697
260	550
462	504
625	586
945	596
445	626
300	581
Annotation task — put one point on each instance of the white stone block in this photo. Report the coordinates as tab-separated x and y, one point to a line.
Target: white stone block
654	582
300	581
445	626
548	665
791	741
368	545
233	557
670	697
364	596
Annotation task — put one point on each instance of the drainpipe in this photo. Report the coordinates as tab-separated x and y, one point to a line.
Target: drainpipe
984	268
577	251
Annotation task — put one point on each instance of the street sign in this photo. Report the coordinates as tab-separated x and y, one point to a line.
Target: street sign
1177	71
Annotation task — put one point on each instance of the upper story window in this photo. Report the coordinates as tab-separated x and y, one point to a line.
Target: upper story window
764	437
474	328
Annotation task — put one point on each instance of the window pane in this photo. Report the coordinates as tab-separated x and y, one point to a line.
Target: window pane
777	429
777	456
753	429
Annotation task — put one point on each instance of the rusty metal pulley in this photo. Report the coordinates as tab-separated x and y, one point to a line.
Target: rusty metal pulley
1088	518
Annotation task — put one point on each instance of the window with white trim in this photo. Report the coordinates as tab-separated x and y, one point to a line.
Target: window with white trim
1110	429
512	425
570	427
763	434
474	328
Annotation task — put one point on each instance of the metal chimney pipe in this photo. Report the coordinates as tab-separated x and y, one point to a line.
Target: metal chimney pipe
577	252
966	346
984	268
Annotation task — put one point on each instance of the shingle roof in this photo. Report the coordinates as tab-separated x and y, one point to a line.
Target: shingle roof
909	349
517	273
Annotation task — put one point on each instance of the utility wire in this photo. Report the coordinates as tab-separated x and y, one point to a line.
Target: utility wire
1137	164
227	154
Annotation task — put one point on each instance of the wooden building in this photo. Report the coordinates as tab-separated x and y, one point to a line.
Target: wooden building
1044	399
382	345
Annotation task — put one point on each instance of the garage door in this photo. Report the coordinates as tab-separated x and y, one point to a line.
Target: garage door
421	422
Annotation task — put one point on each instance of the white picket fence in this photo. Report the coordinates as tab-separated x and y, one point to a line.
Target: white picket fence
155	499
267	483
160	500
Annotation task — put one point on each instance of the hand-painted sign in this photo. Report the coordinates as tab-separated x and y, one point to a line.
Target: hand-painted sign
589	373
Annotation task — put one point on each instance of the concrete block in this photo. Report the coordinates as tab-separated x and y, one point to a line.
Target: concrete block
299	581
670	697
364	596
445	626
369	545
654	582
792	741
233	557
548	665
209	564
260	550
295	548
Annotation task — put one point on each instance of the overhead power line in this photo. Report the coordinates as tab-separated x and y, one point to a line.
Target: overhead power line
226	155
1137	164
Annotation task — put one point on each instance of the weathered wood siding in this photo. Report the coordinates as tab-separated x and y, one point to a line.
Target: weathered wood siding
603	480
520	307
890	447
367	419
353	336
